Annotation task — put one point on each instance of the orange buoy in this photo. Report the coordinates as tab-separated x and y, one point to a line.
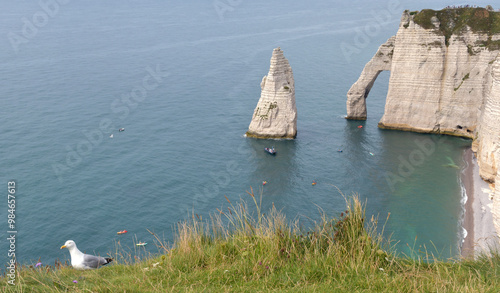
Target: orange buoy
264	182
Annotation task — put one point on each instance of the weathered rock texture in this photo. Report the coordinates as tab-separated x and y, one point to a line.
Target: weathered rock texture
276	114
444	79
488	134
489	141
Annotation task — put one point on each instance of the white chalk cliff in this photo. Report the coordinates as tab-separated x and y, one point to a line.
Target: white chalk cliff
443	79
276	114
488	141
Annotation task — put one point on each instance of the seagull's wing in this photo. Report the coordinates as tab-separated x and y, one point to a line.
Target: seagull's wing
93	261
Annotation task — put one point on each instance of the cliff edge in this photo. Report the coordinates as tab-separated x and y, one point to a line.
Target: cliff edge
276	114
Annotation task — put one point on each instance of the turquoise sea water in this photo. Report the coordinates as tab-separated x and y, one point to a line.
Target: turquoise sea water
183	80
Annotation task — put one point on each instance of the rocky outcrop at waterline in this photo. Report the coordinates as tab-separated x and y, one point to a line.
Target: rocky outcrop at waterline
276	113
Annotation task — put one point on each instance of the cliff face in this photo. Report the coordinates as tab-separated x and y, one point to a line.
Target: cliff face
276	114
488	134
489	141
439	75
444	79
437	82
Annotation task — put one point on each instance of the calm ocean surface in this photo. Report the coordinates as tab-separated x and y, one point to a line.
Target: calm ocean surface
183	80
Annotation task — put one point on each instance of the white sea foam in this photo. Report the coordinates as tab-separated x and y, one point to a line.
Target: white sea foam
463	200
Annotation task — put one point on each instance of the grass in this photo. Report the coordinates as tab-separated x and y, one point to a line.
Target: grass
236	250
455	21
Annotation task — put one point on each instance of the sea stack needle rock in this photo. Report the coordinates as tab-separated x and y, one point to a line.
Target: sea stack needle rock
276	114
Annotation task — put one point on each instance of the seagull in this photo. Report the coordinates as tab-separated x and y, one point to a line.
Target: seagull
81	261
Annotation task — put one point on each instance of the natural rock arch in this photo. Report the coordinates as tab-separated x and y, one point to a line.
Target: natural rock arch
356	97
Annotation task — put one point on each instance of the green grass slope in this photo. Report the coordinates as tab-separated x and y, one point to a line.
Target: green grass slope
239	251
454	21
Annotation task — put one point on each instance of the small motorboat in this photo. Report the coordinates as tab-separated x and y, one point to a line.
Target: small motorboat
121	129
141	244
121	232
270	150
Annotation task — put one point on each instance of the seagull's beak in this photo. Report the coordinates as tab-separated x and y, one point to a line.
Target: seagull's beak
64	246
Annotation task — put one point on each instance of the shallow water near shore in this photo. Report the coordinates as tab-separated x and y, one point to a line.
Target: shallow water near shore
183	146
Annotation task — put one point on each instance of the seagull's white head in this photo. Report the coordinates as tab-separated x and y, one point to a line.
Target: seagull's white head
70	244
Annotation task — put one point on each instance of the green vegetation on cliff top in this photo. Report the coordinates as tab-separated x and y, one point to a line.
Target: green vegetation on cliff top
239	251
455	20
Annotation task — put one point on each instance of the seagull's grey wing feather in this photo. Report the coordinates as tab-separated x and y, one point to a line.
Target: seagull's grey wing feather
93	261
